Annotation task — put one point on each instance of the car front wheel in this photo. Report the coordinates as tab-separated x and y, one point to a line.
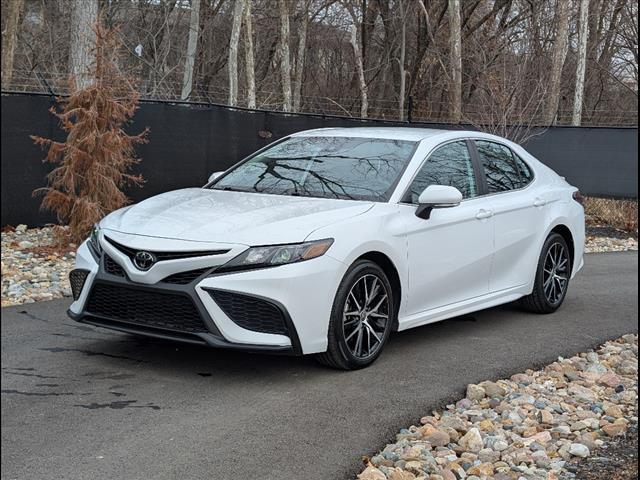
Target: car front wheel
552	277
361	318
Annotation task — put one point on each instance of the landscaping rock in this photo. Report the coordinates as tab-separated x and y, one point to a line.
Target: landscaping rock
33	267
533	426
475	392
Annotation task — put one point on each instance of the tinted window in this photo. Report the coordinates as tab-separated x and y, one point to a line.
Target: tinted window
327	167
526	175
448	165
500	168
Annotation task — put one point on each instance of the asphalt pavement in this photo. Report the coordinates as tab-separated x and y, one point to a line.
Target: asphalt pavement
83	403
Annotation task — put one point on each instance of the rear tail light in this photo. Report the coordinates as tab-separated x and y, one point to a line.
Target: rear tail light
578	197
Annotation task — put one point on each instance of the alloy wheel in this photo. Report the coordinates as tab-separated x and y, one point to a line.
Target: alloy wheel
365	317
556	273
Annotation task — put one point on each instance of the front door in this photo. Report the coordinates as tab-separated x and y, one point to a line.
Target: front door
450	253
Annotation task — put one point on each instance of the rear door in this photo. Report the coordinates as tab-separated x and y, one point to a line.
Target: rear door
518	213
449	254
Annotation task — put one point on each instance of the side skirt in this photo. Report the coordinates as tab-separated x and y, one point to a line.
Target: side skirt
462	308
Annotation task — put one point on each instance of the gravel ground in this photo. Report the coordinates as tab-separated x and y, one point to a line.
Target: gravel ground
618	460
35	269
602	238
536	425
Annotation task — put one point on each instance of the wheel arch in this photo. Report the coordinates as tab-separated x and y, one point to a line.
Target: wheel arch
565	232
561	226
390	269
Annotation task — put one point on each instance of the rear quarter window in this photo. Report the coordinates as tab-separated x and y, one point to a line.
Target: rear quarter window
526	174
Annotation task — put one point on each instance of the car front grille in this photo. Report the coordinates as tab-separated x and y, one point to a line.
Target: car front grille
110	266
77	278
160	256
144	307
184	278
250	312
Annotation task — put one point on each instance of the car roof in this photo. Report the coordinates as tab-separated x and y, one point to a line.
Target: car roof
393	133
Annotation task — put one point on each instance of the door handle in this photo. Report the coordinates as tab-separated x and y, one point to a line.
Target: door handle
539	202
482	214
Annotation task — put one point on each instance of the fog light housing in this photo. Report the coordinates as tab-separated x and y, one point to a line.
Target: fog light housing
77	278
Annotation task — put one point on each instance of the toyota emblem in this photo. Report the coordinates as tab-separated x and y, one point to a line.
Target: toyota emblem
144	260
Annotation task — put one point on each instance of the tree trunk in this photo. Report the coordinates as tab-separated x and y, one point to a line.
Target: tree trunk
299	67
559	55
248	57
9	39
364	104
455	53
232	64
582	60
403	46
283	53
194	27
84	15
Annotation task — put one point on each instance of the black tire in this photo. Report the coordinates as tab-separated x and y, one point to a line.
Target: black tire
538	301
339	354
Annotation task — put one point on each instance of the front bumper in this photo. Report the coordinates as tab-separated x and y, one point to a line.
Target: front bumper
302	294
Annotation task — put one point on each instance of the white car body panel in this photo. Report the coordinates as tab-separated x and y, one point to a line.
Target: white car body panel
454	263
433	266
204	215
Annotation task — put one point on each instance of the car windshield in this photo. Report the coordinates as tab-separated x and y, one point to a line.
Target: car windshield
325	167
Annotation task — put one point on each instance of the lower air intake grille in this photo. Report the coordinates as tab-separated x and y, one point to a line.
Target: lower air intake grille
110	266
160	310
76	279
250	312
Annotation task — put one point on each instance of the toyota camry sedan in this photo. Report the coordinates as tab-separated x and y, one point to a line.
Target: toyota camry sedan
328	241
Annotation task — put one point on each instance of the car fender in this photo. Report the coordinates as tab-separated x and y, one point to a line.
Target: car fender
555	217
381	230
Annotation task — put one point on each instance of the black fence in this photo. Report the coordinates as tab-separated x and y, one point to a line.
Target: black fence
188	142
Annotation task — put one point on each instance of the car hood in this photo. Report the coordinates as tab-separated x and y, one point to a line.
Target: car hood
205	215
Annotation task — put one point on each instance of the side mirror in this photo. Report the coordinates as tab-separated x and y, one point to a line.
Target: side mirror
213	176
437	196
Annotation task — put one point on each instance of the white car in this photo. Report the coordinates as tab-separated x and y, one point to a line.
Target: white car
327	241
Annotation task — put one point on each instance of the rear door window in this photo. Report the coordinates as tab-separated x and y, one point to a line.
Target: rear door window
500	168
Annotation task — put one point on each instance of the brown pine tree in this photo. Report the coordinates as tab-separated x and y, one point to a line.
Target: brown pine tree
93	164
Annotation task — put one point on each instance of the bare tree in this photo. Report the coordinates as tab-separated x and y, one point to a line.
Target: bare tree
84	15
401	60
300	56
364	103
232	65
559	54
248	57
283	54
321	69
9	37
509	104
455	56
194	30
582	61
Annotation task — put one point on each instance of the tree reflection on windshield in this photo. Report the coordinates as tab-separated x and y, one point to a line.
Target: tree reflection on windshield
327	167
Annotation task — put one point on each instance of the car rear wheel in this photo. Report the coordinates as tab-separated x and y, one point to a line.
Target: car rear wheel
361	318
552	277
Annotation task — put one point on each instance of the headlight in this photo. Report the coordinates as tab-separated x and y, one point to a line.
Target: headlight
94	242
271	256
